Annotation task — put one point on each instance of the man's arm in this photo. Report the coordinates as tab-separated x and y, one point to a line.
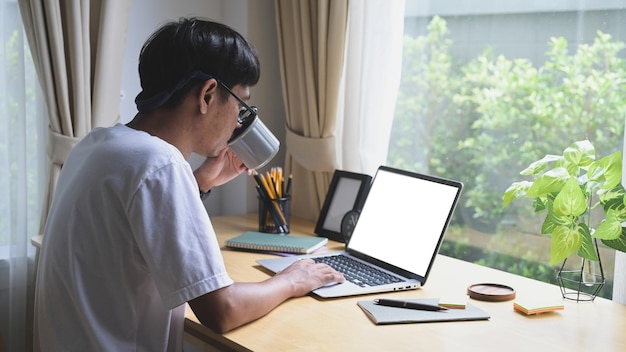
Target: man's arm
240	303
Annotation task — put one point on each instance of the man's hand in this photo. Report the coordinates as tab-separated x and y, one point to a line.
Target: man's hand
306	276
216	171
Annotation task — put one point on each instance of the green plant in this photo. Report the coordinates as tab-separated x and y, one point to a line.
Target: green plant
569	188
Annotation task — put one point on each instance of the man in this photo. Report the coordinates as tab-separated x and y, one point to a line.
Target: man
128	241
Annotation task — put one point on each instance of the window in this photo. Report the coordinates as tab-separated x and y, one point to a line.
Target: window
487	88
22	136
22	172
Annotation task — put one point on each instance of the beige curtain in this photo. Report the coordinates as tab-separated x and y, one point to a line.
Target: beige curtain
311	40
78	49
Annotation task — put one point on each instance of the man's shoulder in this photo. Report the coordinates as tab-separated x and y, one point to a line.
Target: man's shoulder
124	143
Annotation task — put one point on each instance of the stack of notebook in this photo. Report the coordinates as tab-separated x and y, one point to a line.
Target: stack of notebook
265	242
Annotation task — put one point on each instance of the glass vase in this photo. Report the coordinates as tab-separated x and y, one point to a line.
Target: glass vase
584	280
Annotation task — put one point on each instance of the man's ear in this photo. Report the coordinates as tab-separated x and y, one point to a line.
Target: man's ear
208	95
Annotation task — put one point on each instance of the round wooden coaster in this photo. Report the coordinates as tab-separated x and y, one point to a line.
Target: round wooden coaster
491	292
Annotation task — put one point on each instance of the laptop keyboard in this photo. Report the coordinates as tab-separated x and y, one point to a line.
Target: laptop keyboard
356	272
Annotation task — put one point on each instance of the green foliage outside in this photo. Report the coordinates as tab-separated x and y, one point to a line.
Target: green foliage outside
483	121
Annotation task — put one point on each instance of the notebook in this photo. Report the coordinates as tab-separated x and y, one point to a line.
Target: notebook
399	232
391	315
260	241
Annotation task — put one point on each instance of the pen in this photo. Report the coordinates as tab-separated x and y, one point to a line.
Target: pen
407	304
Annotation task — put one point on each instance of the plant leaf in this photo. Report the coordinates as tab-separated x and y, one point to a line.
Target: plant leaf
618	243
551	181
587	248
615	200
581	153
565	242
515	190
610	228
540	165
539	204
571	201
612	166
553	221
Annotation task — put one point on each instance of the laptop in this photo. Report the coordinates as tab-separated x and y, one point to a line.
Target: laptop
399	232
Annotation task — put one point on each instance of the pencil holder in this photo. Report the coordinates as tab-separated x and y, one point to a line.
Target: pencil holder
274	215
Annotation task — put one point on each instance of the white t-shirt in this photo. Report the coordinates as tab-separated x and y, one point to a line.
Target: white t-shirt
127	242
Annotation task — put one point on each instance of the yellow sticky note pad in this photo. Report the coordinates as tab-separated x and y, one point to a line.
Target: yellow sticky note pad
454	302
535	305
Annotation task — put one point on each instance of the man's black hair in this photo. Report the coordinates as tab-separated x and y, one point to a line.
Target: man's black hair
177	49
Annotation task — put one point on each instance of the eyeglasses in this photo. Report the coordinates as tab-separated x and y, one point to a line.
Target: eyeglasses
247	112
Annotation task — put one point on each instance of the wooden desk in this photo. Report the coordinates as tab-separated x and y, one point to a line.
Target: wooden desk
312	324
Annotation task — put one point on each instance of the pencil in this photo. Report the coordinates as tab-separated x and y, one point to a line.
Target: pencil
268	188
279	182
269	195
277	220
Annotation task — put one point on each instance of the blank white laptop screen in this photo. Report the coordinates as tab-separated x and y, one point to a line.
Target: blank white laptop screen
402	220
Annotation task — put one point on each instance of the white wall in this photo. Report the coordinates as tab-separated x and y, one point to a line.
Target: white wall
518	28
491	7
146	16
255	20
